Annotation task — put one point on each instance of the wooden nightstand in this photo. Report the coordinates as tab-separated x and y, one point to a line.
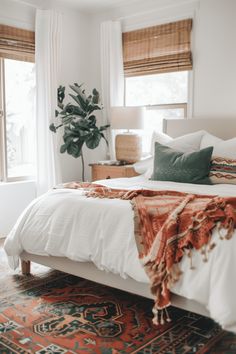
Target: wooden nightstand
111	171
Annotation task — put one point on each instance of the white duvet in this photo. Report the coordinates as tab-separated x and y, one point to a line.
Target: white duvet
63	222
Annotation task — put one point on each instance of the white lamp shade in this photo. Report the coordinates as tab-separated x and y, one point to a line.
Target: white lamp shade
127	117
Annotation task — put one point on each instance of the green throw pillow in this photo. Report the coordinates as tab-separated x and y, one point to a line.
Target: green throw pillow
176	166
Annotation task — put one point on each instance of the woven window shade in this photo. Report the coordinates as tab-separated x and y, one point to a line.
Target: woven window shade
158	49
16	43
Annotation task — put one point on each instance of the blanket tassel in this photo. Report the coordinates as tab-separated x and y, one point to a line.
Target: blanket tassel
161	316
190	256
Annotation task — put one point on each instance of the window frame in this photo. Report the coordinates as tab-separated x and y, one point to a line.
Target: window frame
3	140
169	106
187	106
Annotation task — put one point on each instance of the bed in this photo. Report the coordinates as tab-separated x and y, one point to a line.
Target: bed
114	261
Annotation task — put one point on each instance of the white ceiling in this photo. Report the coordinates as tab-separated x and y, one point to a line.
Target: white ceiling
94	6
97	5
84	5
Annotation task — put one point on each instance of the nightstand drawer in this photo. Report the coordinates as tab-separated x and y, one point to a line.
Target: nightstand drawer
107	172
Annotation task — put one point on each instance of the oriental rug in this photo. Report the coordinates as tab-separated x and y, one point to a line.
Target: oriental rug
56	313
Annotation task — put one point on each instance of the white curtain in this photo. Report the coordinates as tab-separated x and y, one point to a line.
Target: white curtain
112	72
47	39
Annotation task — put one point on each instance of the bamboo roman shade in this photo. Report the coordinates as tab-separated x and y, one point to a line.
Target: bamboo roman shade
158	49
16	43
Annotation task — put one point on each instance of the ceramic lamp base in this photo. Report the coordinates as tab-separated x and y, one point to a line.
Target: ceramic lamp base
128	147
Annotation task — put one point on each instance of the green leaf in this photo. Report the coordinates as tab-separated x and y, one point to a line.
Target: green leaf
67	119
77	88
69	109
92	121
68	140
73	149
60	95
103	136
95	98
80	146
83	122
63	148
70	132
52	127
89	99
81	125
75	98
93	107
93	139
104	127
79	112
81	102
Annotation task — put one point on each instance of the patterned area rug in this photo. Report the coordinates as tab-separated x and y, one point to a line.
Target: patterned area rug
52	312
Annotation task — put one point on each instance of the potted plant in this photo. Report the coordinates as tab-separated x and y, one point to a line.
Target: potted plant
79	122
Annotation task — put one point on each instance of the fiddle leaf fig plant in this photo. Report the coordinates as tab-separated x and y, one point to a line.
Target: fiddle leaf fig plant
78	121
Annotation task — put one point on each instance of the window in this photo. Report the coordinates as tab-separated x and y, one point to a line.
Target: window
17	104
157	62
164	95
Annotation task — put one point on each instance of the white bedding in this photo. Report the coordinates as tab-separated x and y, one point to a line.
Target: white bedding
63	222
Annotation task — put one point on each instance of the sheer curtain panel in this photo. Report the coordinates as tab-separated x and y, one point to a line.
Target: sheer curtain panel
112	73
47	41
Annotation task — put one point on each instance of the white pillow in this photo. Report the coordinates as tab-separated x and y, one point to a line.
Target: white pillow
185	143
222	148
143	165
161	138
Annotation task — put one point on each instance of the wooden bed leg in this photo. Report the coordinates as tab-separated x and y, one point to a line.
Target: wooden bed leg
25	267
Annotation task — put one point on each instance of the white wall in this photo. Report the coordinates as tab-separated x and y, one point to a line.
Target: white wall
214	59
74	68
18	15
77	66
14	197
214	49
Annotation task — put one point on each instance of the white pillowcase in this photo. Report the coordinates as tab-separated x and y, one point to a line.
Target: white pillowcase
222	148
185	143
161	138
143	165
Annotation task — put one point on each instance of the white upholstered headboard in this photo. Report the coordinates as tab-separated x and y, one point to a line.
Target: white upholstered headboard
223	128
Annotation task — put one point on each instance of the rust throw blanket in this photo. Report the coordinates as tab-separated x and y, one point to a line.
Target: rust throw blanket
168	225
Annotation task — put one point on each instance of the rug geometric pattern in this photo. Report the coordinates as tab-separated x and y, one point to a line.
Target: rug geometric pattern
73	315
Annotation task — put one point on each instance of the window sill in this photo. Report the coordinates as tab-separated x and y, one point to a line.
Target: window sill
25	181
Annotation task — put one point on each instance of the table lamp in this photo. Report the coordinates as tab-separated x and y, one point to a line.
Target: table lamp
128	145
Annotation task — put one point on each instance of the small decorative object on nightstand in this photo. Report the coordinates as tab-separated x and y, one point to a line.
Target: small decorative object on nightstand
107	171
128	145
